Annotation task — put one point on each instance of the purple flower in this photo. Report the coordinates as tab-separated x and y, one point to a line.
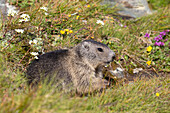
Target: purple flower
121	25
166	40
156	38
147	35
162	44
125	26
163	33
160	37
159	44
167	30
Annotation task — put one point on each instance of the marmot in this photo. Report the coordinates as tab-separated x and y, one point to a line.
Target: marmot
79	68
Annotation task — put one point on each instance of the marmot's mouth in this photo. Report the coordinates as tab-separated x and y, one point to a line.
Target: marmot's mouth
106	64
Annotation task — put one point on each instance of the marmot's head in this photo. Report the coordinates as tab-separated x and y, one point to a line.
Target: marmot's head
95	53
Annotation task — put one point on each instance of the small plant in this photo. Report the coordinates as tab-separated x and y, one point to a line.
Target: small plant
159	50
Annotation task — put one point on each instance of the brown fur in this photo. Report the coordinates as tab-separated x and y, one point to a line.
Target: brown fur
78	68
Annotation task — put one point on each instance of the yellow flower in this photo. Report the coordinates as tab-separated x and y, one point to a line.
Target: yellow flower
40	86
92	37
157	94
71	31
69	15
149	63
112	21
67	30
62	31
77	17
88	5
149	48
76	37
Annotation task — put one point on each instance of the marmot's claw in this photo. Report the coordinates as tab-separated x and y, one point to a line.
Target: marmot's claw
103	84
106	82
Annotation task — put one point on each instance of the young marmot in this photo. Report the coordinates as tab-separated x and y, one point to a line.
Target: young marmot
78	68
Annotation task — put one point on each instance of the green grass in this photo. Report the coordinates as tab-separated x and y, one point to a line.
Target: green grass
139	96
155	4
128	42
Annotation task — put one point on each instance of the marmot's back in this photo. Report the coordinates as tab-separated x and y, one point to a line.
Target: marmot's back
79	67
49	64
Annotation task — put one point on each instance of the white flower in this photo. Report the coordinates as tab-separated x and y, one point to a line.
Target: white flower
30	42
100	22
121	25
19	30
25	16
12	12
35	41
137	70
34	53
46	14
84	21
44	8
26	19
36	57
21	20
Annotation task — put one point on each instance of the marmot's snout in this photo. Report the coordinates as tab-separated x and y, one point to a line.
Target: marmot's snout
113	57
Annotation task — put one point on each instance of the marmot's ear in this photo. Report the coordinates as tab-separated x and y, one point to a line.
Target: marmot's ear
86	46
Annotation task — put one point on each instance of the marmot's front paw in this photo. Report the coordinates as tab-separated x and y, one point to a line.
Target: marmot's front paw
105	82
101	83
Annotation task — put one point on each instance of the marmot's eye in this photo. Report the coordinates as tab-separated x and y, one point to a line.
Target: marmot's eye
100	49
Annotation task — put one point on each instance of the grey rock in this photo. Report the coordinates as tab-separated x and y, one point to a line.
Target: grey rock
118	73
130	8
5	7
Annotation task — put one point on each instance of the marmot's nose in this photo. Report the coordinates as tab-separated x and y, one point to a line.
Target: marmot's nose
113	57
